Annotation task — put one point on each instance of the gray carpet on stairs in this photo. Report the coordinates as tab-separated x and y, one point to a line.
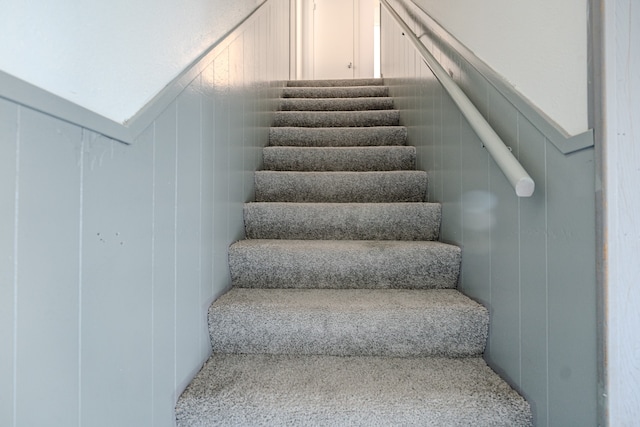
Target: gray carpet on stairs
348	322
294	390
341	187
335	83
341	264
343	310
333	159
336	118
335	92
342	221
338	136
336	104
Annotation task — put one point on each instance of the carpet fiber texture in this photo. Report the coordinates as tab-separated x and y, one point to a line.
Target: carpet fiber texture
341	187
349	322
334	159
294	390
343	309
342	221
338	136
344	264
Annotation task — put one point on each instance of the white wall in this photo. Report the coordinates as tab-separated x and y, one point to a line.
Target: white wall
114	56
367	19
621	152
539	46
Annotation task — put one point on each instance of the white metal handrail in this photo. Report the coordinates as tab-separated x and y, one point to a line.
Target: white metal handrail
501	154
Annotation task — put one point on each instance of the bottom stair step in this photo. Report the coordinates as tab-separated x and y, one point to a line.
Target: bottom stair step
267	390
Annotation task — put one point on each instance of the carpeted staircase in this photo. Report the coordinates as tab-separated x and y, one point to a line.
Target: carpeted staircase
343	309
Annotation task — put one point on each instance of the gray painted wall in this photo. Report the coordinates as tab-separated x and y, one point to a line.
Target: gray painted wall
110	254
530	261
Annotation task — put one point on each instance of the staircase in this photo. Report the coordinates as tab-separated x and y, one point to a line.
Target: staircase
343	309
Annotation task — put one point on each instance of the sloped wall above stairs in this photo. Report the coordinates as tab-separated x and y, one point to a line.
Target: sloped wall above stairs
111	57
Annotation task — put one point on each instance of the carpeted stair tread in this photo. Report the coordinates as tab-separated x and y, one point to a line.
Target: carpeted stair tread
335	82
332	159
343	309
292	390
342	221
343	264
336	104
341	187
336	118
348	322
335	92
338	136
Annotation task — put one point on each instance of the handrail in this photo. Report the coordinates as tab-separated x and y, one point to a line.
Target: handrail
501	154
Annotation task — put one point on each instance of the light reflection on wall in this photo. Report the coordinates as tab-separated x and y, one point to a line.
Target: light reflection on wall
478	210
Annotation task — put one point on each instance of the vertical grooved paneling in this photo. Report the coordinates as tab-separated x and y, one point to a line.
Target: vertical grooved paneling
48	253
236	137
164	188
250	143
451	221
529	260
8	327
533	230
188	320
505	301
478	217
572	313
121	248
117	218
505	265
207	217
221	171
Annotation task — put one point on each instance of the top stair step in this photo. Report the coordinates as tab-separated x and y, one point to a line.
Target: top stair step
335	82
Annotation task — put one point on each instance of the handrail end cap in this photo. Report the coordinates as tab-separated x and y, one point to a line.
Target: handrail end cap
525	187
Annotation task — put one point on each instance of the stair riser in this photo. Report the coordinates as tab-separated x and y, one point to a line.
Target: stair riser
341	187
336	119
336	104
349	221
335	83
371	323
337	92
337	137
363	159
350	265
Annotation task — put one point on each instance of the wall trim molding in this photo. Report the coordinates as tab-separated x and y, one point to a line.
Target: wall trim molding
562	140
36	98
